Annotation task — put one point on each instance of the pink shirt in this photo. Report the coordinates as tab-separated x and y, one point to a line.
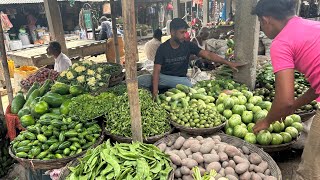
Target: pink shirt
297	46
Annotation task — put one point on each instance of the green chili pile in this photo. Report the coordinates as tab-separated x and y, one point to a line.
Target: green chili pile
122	161
154	117
86	106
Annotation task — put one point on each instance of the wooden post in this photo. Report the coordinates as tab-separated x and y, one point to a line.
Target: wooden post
176	9
5	69
55	23
247	41
205	13
114	30
130	39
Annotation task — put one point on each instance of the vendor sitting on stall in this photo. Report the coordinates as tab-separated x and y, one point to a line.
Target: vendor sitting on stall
62	62
172	60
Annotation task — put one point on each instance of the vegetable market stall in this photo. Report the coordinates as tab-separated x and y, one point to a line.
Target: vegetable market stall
37	56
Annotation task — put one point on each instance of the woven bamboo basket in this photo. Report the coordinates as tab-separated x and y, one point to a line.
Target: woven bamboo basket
53	163
237	142
305	116
278	148
149	140
198	131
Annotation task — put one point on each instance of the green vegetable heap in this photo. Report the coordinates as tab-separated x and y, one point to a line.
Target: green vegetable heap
191	107
215	87
55	138
86	106
135	161
266	79
243	110
154	117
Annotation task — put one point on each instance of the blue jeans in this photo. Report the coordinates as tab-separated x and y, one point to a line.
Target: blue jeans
165	81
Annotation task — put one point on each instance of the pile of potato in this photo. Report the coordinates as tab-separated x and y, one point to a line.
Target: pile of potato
210	153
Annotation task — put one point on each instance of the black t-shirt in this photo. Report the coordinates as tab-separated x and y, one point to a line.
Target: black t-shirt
175	62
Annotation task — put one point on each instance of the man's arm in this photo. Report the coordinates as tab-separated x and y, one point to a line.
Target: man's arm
155	79
217	59
284	103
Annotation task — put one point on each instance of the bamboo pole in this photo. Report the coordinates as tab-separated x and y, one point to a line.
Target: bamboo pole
114	30
5	68
130	39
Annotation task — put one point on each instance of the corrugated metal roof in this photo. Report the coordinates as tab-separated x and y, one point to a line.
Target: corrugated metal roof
39	1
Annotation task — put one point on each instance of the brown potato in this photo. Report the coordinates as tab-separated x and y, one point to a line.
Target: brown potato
229	170
261	175
254	158
207	147
216	137
267	172
245	176
232	164
185	170
242	168
181	154
198	157
179	142
177	173
214	165
209	158
195	147
189	177
239	159
199	138
190	163
231	177
223	156
221	147
264	166
188	143
175	159
232	151
162	147
225	164
255	176
188	152
270	178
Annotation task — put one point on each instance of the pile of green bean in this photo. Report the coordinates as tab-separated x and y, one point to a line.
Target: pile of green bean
154	117
122	161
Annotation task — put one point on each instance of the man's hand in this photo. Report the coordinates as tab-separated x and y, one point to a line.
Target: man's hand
261	125
154	95
234	65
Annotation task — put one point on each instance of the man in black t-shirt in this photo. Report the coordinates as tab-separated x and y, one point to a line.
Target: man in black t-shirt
172	60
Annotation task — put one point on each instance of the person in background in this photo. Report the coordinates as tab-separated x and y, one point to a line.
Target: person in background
31	24
172	60
295	46
152	46
62	62
200	41
150	49
106	28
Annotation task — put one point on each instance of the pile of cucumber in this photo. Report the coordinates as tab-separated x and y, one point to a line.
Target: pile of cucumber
55	139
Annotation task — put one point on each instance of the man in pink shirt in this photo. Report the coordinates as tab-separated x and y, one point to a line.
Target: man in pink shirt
296	45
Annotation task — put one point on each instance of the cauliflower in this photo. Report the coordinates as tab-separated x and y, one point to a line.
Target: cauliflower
100	70
63	73
74	65
101	84
80	79
90	72
70	75
80	69
98	76
92	81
